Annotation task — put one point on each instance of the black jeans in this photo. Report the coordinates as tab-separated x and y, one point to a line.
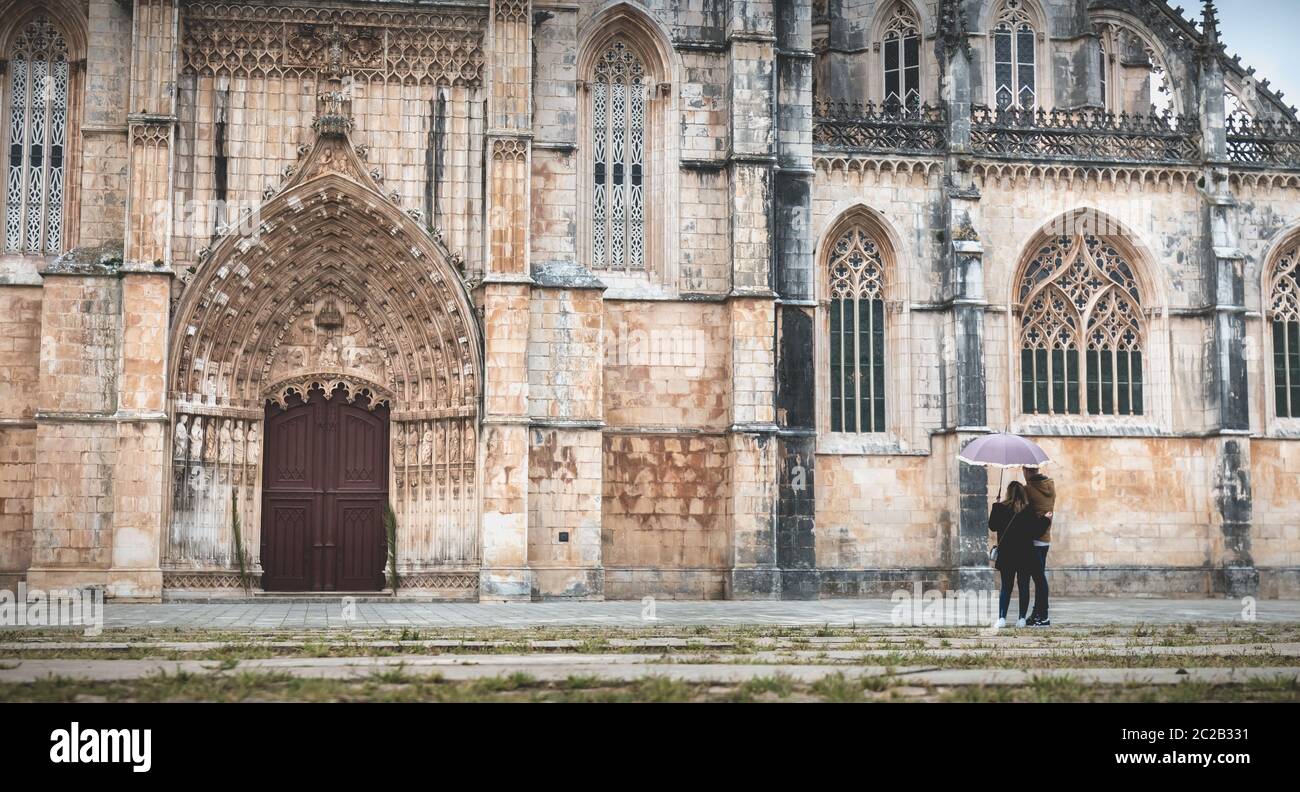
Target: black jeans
1039	572
1021	578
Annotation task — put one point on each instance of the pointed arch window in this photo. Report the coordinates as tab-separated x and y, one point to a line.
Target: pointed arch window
1080	330
901	59
1284	315
619	95
1122	49
36	139
1015	67
857	325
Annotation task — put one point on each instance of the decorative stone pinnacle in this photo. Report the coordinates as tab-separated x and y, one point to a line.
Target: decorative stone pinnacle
1210	24
334	118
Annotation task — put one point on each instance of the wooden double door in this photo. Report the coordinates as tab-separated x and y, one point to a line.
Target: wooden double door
324	487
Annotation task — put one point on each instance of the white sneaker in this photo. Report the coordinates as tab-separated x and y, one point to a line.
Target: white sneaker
1020	622
999	624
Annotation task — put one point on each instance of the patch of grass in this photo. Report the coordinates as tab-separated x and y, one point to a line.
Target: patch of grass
661	689
1055	688
838	688
508	682
779	685
393	675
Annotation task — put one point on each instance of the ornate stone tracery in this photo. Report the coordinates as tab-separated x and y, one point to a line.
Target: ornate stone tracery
1282	296
404	46
1079	293
36	169
857	271
1284	287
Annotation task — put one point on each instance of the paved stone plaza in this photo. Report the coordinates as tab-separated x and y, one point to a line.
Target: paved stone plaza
835	650
835	613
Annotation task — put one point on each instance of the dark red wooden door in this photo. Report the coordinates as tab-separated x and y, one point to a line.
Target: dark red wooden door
324	486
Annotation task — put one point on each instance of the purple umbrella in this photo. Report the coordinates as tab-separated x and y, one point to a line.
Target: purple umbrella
1003	450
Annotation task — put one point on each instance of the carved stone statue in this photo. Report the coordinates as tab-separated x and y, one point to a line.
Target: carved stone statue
254	447
196	439
181	442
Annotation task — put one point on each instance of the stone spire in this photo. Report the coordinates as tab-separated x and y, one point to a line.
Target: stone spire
1210	29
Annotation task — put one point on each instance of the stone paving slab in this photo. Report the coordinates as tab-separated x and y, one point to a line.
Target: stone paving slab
318	614
620	667
788	650
851	655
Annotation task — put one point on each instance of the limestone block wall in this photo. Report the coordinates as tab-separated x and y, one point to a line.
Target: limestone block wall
667	365
565	452
664	523
103	136
20	341
881	512
76	441
564	511
1128	504
1275	542
564	354
667	390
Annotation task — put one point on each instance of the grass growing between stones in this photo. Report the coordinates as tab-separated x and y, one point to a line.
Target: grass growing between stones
396	685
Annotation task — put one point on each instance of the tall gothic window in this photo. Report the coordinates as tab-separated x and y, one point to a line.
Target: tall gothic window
901	58
1014	58
857	320
1284	311
618	112
1080	330
38	120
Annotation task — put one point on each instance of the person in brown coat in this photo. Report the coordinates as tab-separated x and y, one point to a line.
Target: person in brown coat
1041	492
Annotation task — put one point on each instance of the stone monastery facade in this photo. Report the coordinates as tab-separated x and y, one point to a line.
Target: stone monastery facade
679	298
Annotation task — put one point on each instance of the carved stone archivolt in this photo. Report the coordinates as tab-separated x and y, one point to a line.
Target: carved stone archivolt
435	47
1284	287
329	283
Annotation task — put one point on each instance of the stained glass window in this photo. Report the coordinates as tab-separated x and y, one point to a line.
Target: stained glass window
38	121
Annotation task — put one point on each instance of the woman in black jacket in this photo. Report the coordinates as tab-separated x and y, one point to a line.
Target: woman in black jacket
1016	526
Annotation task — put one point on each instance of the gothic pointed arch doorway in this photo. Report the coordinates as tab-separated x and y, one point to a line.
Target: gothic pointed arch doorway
281	310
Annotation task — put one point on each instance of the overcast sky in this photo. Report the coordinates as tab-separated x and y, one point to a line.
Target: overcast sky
1264	34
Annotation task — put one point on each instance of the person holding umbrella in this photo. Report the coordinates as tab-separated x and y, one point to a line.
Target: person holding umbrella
1023	516
1016	525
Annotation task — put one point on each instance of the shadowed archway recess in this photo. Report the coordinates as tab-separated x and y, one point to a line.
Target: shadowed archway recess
329	284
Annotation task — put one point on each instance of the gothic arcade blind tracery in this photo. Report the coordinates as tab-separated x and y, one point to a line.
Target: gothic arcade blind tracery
37	138
618	113
1079	294
1284	312
857	324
